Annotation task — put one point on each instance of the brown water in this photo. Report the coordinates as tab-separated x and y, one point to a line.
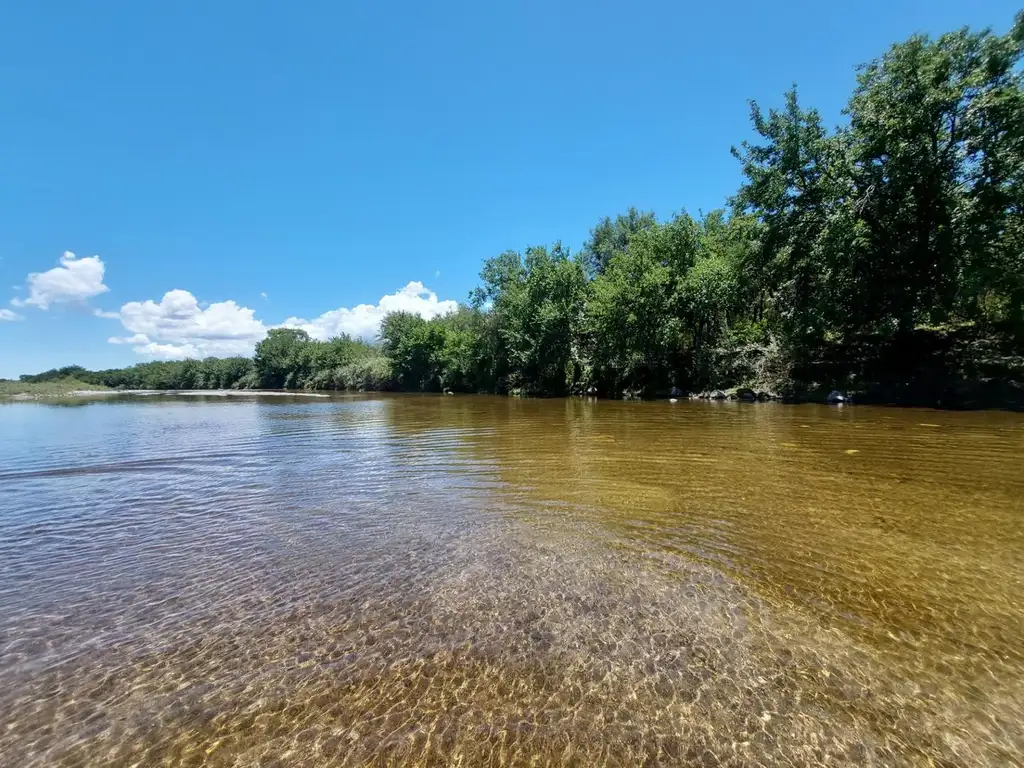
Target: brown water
480	581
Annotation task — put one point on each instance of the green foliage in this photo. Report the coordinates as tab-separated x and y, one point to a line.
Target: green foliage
611	237
538	301
209	373
790	190
412	344
372	373
659	307
46	385
632	326
283	359
56	374
909	215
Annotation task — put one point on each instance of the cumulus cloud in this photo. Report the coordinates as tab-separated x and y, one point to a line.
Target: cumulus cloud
169	351
178	327
75	280
363	321
138	338
6	314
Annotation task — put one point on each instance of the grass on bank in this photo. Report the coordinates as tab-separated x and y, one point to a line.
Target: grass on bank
57	388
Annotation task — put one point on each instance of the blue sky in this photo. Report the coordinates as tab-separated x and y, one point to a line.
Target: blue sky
270	162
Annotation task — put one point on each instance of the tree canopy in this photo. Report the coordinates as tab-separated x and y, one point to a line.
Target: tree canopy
908	217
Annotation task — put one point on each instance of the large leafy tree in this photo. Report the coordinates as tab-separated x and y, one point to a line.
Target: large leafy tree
935	147
464	361
612	236
630	319
279	357
412	343
636	322
708	291
538	301
793	185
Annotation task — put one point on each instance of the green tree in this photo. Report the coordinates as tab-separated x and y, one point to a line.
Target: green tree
793	183
538	302
464	361
936	136
708	295
612	236
278	357
637	310
412	344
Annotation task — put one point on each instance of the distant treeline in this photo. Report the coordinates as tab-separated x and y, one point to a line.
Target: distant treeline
889	249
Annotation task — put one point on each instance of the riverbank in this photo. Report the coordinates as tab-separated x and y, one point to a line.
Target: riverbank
217	393
993	394
28	390
963	367
70	388
966	367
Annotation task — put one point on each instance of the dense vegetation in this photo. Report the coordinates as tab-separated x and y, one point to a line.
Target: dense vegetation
50	388
885	255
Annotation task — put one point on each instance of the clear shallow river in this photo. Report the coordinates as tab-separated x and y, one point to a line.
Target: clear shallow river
404	580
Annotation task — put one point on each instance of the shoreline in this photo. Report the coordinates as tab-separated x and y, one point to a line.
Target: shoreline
101	393
974	401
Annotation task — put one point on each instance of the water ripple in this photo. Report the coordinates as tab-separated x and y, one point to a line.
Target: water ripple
439	581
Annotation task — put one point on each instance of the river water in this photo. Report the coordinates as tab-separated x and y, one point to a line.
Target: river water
426	580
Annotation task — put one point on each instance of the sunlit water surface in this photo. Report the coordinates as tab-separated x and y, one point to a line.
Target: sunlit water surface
405	580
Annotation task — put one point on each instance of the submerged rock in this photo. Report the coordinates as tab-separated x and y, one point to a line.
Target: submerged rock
718	395
749	395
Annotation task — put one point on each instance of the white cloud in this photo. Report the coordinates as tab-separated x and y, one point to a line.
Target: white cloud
169	351
108	315
6	314
178	327
138	338
263	294
363	321
75	280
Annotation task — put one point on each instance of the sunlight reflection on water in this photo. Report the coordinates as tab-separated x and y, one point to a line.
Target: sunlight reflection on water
429	581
